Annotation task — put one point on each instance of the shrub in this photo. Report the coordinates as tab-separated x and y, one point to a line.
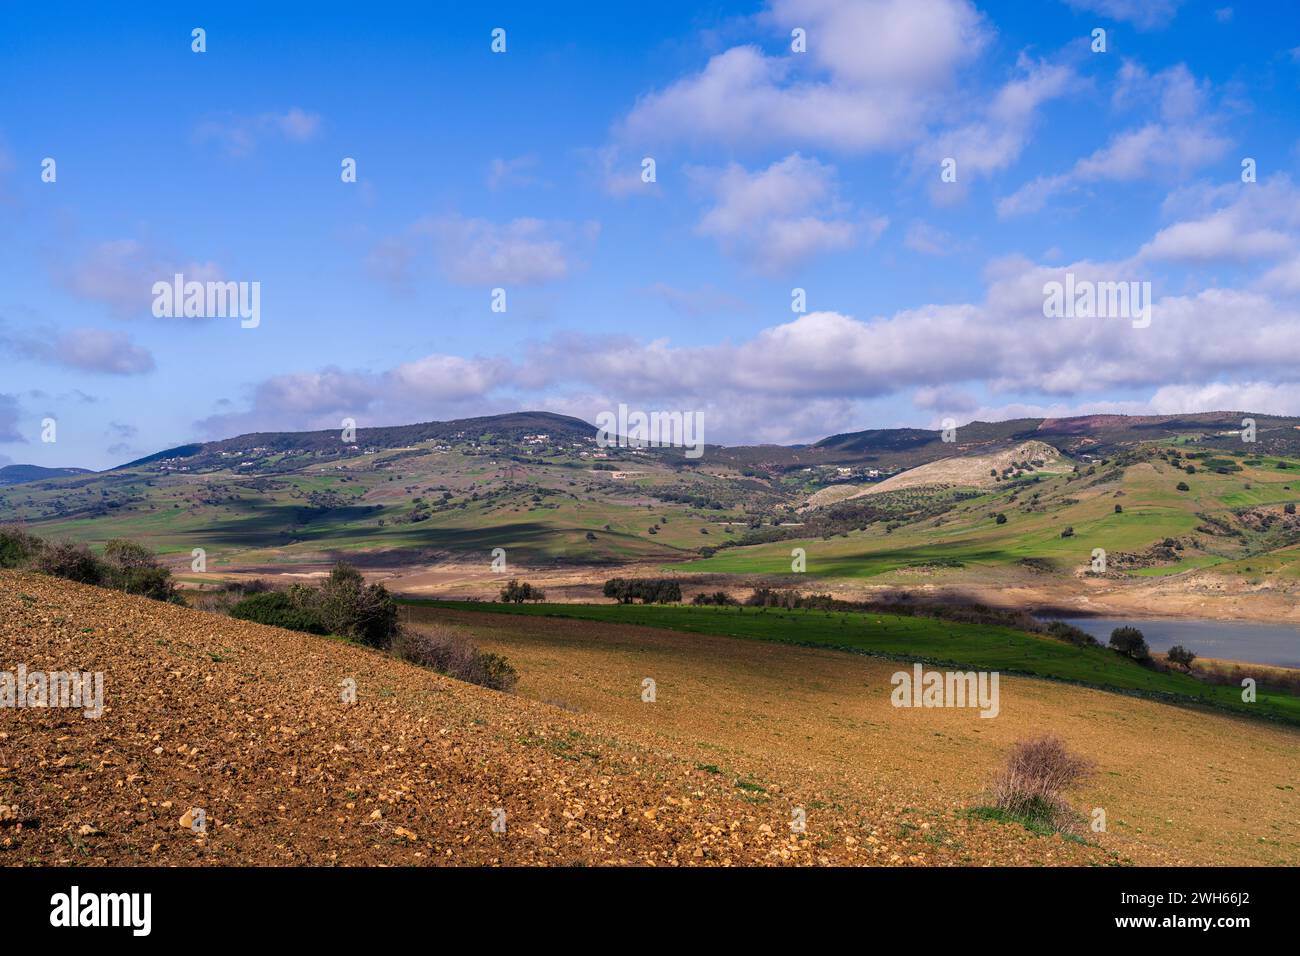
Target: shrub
1183	486
448	652
1181	656
516	593
278	609
1067	533
1070	634
348	607
1119	509
717	597
1031	785
647	590
1001	518
72	561
17	547
1289	508
132	568
1130	642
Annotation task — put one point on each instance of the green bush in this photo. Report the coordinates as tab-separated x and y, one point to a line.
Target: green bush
516	593
278	609
17	547
348	607
132	568
1130	642
647	590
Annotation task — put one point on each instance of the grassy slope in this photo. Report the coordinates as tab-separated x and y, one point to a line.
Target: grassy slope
1153	510
235	522
979	646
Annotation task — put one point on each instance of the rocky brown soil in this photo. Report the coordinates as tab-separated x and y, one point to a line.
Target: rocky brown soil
248	724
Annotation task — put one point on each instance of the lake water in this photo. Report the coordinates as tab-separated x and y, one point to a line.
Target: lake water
1261	643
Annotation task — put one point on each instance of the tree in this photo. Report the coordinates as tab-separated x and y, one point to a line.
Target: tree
1130	642
1181	656
516	593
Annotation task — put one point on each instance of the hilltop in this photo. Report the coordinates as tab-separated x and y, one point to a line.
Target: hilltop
20	474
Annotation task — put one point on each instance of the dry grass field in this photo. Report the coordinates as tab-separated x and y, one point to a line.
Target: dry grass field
1179	785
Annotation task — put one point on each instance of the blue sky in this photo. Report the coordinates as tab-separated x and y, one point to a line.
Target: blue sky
775	169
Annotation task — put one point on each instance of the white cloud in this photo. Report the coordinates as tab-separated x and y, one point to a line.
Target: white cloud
511	173
239	136
880	67
1143	14
479	252
928	240
120	274
779	217
1183	137
995	140
1254	221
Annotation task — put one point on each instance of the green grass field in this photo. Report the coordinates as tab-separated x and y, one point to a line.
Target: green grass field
976	646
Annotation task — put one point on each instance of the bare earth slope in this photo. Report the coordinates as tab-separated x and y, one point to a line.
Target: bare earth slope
247	723
967	471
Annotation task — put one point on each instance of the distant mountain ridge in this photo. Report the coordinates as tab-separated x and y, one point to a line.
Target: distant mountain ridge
885	447
21	474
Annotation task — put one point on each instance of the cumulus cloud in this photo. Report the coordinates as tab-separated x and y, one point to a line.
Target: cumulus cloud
873	73
941	355
1242	222
999	134
778	217
91	350
1182	137
120	274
